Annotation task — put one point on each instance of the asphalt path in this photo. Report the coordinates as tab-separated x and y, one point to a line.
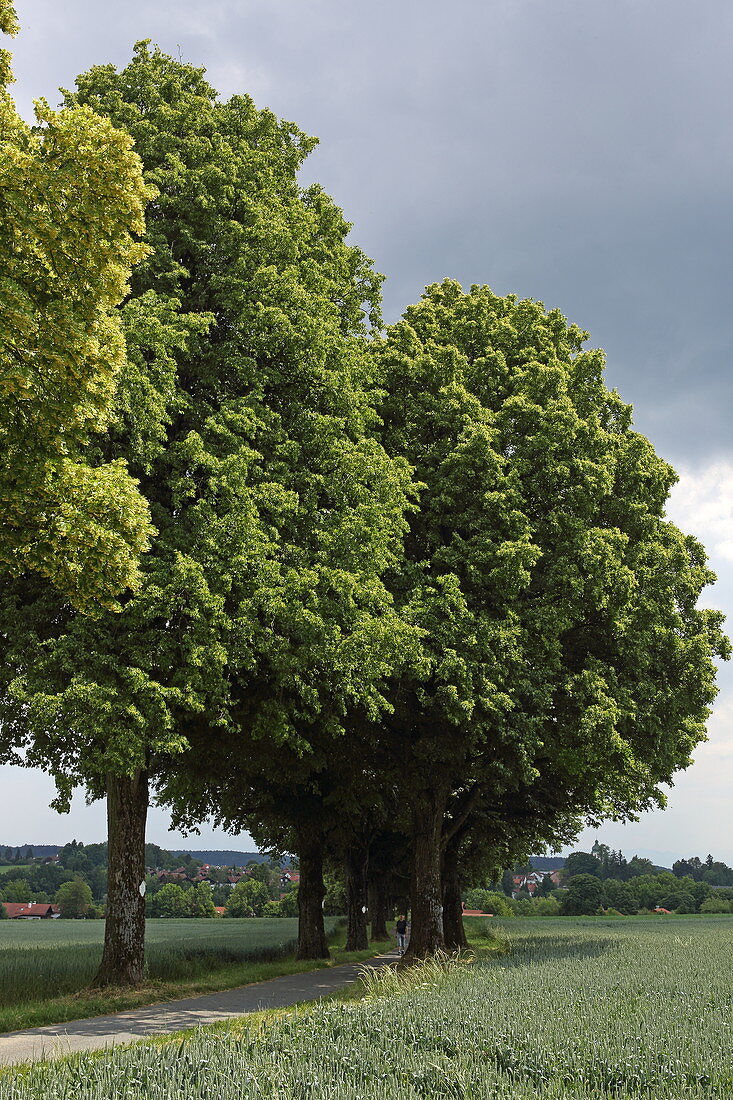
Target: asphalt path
100	1032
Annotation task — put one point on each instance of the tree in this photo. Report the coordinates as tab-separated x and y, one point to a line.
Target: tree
74	898
583	897
170	901
200	901
289	903
72	210
3	912
248	899
639	866
16	889
618	895
245	413
581	863
561	638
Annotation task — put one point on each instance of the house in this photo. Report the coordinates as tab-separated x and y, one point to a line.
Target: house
532	881
30	910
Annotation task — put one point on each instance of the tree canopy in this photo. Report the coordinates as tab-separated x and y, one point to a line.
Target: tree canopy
557	603
247	415
71	215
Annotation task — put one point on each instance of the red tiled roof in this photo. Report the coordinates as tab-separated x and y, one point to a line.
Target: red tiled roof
16	909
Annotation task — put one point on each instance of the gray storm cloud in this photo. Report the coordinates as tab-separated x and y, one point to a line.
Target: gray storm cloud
574	151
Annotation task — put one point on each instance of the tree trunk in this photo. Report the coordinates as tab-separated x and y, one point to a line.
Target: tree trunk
311	892
379	906
357	937
123	958
455	933
426	896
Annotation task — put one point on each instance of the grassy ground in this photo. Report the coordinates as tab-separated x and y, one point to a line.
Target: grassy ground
578	1010
44	965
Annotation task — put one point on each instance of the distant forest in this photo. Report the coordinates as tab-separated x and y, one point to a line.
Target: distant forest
10	853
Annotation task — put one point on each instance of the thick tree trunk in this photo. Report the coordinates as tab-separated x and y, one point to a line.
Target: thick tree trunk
455	933
356	862
379	906
123	958
426	895
311	892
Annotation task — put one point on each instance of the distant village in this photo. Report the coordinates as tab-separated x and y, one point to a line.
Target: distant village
48	883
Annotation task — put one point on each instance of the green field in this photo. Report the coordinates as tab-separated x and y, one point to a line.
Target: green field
43	964
579	1010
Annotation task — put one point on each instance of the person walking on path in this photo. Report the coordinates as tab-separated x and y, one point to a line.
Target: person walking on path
401	929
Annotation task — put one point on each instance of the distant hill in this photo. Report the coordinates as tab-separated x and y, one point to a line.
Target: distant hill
41	850
215	858
547	863
222	858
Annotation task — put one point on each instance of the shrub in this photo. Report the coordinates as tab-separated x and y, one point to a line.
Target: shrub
715	905
546	907
489	901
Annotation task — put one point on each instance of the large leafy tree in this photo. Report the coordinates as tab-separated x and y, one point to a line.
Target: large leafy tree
558	604
247	417
71	211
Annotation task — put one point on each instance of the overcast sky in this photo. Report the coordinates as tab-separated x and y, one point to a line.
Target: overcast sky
575	151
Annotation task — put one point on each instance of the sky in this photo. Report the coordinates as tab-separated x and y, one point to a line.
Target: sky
573	151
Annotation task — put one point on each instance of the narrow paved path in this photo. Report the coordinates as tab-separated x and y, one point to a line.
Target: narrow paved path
98	1032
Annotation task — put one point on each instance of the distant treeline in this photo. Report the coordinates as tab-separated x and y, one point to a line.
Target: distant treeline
10	853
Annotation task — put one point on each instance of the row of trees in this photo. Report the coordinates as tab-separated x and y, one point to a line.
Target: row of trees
588	894
604	863
411	597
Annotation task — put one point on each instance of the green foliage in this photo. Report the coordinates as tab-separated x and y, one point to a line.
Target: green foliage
289	903
564	655
546	907
73	201
3	912
74	898
334	903
618	895
201	902
16	889
583	896
170	901
714	872
246	412
248	899
716	905
581	863
488	901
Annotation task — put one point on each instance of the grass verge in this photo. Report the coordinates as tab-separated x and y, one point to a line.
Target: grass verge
229	975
